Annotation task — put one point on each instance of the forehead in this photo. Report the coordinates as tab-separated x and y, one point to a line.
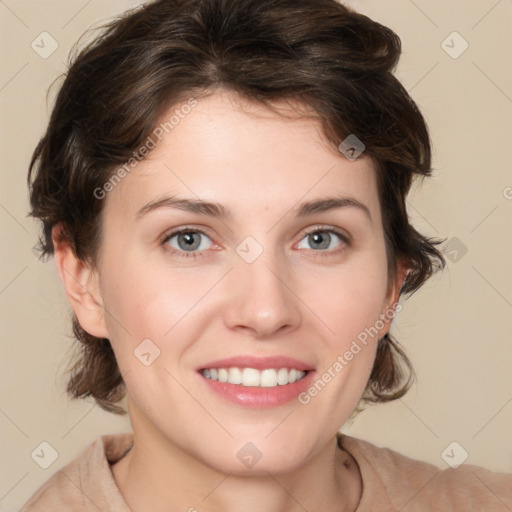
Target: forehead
229	150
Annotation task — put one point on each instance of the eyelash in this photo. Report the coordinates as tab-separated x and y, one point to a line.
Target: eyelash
319	229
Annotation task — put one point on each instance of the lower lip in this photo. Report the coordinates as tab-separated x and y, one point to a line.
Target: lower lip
259	397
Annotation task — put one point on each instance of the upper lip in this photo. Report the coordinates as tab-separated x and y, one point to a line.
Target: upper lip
259	363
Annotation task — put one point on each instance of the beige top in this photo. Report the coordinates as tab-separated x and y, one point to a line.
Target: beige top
391	482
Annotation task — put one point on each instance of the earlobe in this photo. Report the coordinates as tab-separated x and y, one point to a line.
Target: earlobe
81	285
392	299
399	281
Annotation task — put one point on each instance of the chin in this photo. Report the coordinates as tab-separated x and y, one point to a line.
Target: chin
259	456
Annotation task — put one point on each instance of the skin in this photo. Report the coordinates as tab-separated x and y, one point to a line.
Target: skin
295	299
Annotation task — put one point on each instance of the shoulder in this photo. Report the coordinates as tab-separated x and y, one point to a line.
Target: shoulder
86	483
412	485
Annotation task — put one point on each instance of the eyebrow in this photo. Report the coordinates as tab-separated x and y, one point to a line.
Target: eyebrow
218	210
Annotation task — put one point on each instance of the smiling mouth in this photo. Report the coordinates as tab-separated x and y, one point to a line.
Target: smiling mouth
251	377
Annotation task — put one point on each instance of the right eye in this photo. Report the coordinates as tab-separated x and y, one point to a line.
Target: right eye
186	240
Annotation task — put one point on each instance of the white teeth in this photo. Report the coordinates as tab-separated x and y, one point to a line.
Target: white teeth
250	377
235	376
282	376
268	378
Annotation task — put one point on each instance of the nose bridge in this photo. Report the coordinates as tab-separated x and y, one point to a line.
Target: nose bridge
261	298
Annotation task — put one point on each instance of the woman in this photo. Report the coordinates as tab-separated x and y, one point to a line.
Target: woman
197	153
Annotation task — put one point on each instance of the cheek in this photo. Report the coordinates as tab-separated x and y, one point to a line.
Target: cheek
153	319
350	300
145	302
349	304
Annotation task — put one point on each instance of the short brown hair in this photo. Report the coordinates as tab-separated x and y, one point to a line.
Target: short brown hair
337	62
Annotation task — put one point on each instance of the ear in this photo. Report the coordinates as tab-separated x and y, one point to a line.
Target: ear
390	303
81	284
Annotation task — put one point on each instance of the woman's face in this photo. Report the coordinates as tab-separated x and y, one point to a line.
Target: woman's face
270	283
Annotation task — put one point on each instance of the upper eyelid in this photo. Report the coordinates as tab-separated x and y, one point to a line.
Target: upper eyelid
173	232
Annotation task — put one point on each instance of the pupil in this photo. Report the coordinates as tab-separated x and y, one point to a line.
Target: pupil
189	240
319	238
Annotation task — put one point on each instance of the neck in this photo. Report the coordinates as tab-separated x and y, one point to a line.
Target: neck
159	475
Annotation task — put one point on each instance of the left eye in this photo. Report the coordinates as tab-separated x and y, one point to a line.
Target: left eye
322	238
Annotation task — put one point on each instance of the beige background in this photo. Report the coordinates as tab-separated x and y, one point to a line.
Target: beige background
456	329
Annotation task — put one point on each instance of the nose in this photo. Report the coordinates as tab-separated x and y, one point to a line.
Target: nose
260	298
